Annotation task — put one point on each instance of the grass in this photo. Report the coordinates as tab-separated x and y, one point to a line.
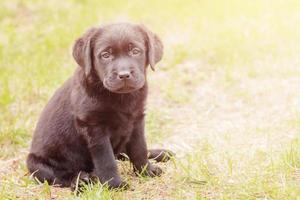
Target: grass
225	97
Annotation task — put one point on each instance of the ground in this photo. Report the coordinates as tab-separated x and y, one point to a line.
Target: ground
225	97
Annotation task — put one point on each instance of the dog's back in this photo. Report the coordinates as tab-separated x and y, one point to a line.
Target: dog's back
56	146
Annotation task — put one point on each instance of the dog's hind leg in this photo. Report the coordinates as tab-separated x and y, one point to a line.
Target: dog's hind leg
160	155
43	171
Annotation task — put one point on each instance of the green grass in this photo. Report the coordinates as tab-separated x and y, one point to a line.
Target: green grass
225	97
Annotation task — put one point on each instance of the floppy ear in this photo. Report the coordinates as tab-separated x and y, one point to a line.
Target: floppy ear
154	46
82	51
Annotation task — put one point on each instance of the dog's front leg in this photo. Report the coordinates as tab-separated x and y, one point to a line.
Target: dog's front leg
137	152
105	167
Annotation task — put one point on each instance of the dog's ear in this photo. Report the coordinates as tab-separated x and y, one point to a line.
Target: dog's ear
154	46
82	51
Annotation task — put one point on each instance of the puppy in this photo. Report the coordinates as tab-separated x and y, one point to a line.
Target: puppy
98	114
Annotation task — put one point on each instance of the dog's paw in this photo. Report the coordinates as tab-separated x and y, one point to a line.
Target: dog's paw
150	170
80	181
154	171
160	155
117	184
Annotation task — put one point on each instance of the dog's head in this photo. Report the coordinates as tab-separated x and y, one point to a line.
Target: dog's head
119	55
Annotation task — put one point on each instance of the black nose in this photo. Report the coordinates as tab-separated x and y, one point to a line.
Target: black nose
124	75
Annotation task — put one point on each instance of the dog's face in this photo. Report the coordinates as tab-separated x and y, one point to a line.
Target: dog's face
119	55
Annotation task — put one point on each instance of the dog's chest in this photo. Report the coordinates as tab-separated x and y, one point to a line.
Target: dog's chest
119	127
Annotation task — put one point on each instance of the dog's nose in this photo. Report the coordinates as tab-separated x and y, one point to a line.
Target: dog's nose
124	75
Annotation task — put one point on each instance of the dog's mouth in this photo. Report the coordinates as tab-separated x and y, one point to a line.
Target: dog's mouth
125	89
122	88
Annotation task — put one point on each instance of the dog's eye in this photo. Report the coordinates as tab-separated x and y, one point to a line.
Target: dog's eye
105	55
135	51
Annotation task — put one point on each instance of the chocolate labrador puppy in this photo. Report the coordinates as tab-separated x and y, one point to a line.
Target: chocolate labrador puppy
98	114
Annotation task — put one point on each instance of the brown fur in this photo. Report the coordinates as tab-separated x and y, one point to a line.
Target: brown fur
98	113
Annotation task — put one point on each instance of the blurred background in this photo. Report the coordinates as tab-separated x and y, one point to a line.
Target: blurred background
225	97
